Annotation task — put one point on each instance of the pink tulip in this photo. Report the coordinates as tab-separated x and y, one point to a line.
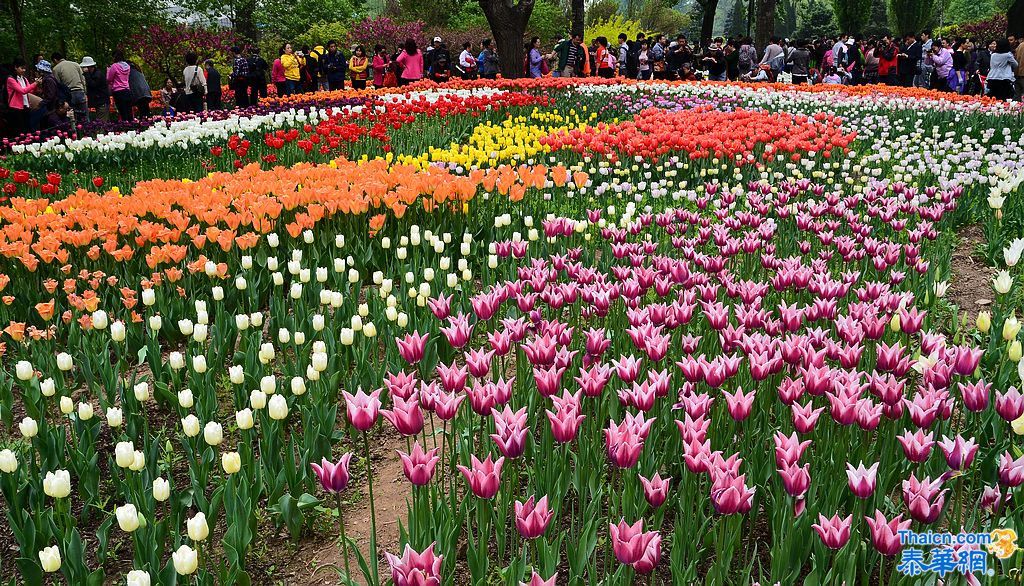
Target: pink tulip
405	415
511	431
536	580
992	498
652	554
795	479
540	350
959	452
548	379
400	384
532	519
596	342
419	465
655	489
967	360
416	569
446	405
484	478
565	424
976	395
834	532
1010	405
592	380
924	498
440	306
362	409
623	445
789	450
862	481
333	477
479	362
730	496
482	397
453	378
629	542
1011	472
885	534
806	417
916	446
627	368
412	347
739	405
458	330
501	342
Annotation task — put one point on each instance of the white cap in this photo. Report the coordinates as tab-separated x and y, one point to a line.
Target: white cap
437	39
88	62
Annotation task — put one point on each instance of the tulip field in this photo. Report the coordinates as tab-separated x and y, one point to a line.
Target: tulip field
619	332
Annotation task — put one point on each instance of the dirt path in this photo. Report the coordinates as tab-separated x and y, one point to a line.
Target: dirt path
310	564
970	287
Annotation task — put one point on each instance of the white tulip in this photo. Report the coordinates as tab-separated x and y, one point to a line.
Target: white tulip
141	391
23	370
47	387
176	360
161	490
300	338
199	364
185	559
124	453
127	517
85	411
186	327
49	559
117	332
115	417
213	433
268	384
9	461
298	385
198	528
185	398
243	419
138	461
156	322
256	319
100	319
277	407
217	293
67	406
148	297
57	484
257	399
138	578
190	425
347	336
200	332
28	427
64	362
236	374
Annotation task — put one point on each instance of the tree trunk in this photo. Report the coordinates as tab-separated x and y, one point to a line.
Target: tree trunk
764	26
508	19
18	21
1015	19
577	18
707	21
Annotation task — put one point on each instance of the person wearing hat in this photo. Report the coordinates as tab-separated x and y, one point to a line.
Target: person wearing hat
96	91
71	75
49	92
117	78
437	53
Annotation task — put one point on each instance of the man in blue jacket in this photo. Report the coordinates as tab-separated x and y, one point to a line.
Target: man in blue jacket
333	67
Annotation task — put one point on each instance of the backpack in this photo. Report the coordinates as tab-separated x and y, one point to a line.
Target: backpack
196	84
633	59
256	72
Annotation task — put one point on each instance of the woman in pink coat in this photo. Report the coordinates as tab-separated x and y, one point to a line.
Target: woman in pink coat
18	89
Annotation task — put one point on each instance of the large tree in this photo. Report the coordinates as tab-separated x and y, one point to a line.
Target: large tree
852	15
577	17
764	21
736	23
508	20
1015	19
708	9
910	16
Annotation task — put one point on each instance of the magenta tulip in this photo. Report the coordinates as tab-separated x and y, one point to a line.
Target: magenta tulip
834	532
862	481
412	347
405	415
333	477
885	534
416	569
484	478
655	489
532	519
362	409
419	465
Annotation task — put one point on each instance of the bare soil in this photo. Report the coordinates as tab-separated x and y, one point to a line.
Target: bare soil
970	287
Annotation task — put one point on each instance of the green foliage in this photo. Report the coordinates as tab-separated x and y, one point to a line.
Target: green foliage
656	15
613	26
878	23
548	21
852	15
965	11
469	16
292	18
602	10
736	22
786	18
436	12
322	32
815	19
910	15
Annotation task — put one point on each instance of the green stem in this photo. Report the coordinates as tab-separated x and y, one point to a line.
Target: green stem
344	539
373	511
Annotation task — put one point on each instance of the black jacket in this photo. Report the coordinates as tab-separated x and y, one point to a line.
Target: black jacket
908	65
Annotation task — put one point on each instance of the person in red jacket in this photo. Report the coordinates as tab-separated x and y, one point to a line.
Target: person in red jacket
888	54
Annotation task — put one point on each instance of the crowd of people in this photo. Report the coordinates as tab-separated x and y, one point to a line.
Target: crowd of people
55	93
993	67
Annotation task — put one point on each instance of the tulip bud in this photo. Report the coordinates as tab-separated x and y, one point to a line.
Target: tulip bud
198	528
176	360
1013	351
156	322
894	323
29	428
124	453
127	517
218	292
64	362
141	391
115	417
161	490
277	407
246	262
185	559
199	364
268	384
148	297
138	578
100	319
23	370
984	321
298	385
243	419
230	462
48	388
347	336
85	411
190	425
117	332
66	405
257	399
49	559
8	461
138	462
213	433
200	333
